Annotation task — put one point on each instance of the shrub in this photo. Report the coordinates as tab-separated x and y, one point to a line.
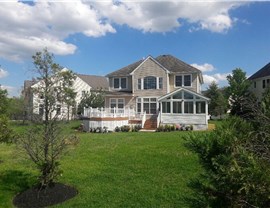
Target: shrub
234	177
136	128
117	129
6	134
125	128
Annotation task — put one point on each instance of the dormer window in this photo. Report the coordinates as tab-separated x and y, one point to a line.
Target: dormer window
120	83
183	80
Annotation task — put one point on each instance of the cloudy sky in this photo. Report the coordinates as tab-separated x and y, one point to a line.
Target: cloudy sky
97	37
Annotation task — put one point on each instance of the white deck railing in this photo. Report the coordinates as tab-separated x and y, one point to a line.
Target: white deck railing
111	112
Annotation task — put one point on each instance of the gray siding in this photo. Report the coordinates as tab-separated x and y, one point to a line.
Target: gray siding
149	68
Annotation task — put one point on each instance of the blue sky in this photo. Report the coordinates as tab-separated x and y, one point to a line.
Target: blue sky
100	37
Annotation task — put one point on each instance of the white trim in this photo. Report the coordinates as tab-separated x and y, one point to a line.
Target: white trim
184	89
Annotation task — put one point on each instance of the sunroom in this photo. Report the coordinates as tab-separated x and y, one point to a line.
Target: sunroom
184	107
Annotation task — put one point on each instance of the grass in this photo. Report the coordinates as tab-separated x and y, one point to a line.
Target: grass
112	170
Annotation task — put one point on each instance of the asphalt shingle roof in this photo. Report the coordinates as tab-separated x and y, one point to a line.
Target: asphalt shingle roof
96	82
263	72
175	65
171	63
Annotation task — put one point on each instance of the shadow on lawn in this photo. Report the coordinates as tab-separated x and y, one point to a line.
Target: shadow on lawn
15	181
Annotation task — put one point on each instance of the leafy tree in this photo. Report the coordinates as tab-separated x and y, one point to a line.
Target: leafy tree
45	143
238	90
218	103
6	134
3	101
93	99
17	108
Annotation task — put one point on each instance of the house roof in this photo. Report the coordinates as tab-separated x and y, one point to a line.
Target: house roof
125	70
169	62
175	65
96	82
263	72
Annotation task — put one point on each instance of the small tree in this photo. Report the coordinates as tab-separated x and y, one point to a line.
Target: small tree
3	101
45	143
238	90
93	99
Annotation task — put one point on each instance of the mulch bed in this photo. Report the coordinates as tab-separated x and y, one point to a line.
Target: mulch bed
36	198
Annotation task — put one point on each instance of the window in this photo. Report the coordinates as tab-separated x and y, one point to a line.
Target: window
177	107
188	96
139	84
117	103
150	83
160	83
254	84
166	107
58	109
268	82
183	81
188	107
263	84
149	105
187	80
116	83
178	95
200	107
123	83
178	81
41	109
120	83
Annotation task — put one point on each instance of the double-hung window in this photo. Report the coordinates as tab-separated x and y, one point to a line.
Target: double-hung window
183	81
120	83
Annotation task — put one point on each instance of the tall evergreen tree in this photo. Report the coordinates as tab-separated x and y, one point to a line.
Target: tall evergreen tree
238	91
218	103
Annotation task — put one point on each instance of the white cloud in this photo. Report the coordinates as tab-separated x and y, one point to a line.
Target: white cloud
3	73
26	28
208	79
164	16
12	91
204	67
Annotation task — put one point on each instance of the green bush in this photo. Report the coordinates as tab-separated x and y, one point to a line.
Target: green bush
234	177
6	134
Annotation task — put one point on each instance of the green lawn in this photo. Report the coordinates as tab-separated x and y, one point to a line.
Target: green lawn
112	170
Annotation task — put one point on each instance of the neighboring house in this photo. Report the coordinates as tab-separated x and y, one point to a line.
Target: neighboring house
162	90
260	81
82	84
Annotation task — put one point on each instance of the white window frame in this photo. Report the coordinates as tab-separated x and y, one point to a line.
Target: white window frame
117	102
194	100
142	104
120	81
183	80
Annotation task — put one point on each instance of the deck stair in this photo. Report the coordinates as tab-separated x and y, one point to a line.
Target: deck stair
151	123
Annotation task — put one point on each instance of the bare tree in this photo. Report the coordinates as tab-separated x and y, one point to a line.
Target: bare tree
45	143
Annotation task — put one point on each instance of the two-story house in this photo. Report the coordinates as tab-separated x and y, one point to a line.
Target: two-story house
260	81
165	89
82	84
